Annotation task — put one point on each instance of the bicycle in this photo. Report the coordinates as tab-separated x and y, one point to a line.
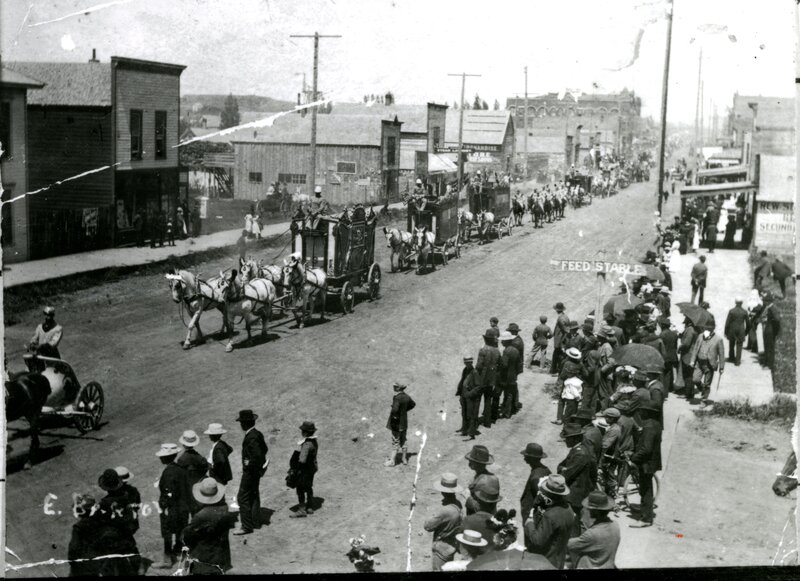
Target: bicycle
624	475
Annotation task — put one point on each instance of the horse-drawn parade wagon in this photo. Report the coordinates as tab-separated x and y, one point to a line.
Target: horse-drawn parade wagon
489	210
434	228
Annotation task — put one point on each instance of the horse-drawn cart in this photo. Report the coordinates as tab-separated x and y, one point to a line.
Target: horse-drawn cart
83	404
341	251
491	206
434	229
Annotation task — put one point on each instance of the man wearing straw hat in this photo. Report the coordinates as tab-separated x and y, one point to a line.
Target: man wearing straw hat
190	460
220	466
175	499
446	522
207	537
596	547
550	523
133	500
485	495
471	544
254	466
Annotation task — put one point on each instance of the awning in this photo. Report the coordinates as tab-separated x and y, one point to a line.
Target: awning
718	189
439	164
722	171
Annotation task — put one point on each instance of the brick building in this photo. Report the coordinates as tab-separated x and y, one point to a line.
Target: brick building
121	115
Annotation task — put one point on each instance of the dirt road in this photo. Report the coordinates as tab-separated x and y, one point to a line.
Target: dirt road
339	374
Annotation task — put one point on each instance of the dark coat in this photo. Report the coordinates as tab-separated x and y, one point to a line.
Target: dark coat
579	469
548	533
488	360
593	437
571	369
541	335
736	324
531	490
398	417
175	498
688	338
509	364
220	465
648	447
82	546
626	431
254	453
596	547
195	465
208	537
670	340
478	522
518	344
470	386
561	329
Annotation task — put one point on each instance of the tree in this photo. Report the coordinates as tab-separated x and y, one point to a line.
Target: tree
496	105
477	104
230	113
485	105
455	105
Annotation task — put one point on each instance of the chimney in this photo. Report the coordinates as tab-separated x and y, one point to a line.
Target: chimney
94	56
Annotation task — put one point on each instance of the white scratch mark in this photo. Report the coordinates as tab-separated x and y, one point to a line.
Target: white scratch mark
580	233
265	122
67	43
444	416
10	552
64	561
370	435
82	12
22	24
58	183
414	497
417	433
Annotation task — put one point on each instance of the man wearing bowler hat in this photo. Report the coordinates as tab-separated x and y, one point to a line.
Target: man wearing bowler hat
398	423
596	547
592	436
304	460
218	455
479	459
579	470
647	458
548	528
446	522
560	331
469	392
488	361
708	356
486	495
254	466
533	455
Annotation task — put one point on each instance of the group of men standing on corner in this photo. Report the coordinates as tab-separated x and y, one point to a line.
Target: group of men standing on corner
492	379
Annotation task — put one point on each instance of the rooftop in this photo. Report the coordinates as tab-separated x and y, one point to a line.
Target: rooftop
12	78
414	117
481	127
356	130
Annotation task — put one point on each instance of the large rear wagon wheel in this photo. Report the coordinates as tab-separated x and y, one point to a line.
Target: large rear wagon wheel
90	399
374	281
347	297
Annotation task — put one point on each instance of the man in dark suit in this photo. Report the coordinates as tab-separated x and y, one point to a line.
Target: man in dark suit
688	337
254	466
488	360
218	456
699	278
533	454
469	392
509	365
560	331
190	460
736	331
647	458
670	340
579	469
398	423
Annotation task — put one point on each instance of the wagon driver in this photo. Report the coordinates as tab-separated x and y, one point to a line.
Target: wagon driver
319	207
47	336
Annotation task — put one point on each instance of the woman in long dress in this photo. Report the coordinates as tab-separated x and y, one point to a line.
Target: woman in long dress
696	237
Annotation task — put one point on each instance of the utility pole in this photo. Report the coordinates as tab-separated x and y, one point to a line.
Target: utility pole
313	167
664	94
525	124
697	103
461	125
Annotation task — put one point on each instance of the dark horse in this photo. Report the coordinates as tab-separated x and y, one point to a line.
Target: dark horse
786	481
548	209
26	394
519	211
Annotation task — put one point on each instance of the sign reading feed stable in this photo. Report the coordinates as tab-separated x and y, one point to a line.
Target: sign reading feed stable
599	267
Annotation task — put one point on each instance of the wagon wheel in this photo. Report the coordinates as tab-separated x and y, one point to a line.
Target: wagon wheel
90	399
374	281
347	297
445	248
509	228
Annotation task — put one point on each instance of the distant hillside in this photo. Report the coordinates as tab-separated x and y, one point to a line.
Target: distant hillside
212	104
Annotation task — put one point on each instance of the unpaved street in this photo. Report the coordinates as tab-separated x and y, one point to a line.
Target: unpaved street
339	374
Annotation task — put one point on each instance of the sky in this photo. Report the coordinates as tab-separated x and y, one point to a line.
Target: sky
411	46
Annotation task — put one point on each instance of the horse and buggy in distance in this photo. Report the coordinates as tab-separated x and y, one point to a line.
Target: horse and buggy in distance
50	388
489	211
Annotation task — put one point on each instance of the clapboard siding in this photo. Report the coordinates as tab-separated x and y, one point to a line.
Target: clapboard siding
14	173
149	92
64	142
409	146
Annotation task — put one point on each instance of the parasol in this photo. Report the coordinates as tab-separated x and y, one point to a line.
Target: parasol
617	305
696	314
640	356
510	560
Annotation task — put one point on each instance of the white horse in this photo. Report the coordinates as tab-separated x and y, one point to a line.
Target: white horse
251	300
485	222
197	296
306	285
424	247
250	269
400	242
465	221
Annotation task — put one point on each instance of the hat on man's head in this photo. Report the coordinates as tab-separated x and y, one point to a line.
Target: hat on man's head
109	480
307	426
574	353
554	484
611	413
710	325
472	538
480	455
400	386
738	300
318	190
418	182
468	360
598	500
533	451
488	490
123	473
247	416
189	439
168	450
215	430
506	336
447	483
558	306
639	375
513	328
574	325
571	429
208	491
49	311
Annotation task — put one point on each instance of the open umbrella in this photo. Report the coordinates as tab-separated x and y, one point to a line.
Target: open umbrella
640	356
651	272
510	560
617	305
696	314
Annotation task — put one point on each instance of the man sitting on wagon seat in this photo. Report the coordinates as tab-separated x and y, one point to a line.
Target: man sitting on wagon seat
47	336
319	207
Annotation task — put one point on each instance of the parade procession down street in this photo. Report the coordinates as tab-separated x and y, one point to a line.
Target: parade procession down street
315	333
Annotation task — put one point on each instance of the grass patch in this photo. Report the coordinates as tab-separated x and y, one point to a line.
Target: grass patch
780	410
